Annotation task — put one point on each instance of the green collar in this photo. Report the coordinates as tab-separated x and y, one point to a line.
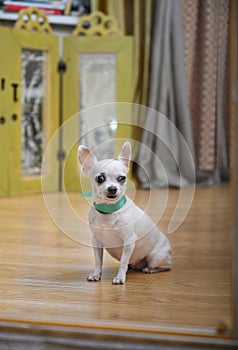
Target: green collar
104	208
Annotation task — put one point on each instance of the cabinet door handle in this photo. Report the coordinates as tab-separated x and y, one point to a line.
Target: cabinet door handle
15	86
14	117
2	83
2	120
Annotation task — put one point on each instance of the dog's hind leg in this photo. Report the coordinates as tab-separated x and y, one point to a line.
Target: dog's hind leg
158	264
147	269
139	266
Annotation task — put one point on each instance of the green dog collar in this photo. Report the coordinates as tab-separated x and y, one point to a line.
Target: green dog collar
104	208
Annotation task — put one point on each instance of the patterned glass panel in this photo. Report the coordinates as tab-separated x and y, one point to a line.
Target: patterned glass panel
98	86
33	65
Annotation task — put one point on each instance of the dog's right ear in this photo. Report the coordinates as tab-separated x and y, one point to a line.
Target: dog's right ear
87	159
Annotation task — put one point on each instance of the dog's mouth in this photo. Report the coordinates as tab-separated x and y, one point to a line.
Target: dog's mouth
112	196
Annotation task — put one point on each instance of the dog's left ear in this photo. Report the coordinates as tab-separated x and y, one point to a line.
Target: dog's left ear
125	154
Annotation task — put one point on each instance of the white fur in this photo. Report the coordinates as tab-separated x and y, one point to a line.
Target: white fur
128	234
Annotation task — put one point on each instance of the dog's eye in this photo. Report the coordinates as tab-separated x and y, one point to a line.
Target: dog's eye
100	179
121	179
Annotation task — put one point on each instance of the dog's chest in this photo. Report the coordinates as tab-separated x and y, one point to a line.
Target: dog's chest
108	229
106	221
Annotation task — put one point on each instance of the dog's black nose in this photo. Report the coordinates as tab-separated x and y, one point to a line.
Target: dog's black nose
112	190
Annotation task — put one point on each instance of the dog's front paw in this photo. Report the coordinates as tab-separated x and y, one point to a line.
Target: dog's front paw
119	280
94	277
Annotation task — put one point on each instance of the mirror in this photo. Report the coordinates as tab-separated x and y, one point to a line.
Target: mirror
97	73
33	91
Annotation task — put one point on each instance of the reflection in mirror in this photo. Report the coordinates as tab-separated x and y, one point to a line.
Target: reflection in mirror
33	66
98	86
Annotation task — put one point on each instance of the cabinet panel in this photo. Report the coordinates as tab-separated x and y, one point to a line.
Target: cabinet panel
32	109
99	71
8	110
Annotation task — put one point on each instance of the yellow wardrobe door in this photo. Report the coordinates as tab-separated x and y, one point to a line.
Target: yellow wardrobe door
9	81
4	142
98	73
35	106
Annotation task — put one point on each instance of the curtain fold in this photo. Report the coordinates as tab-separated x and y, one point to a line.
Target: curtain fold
167	164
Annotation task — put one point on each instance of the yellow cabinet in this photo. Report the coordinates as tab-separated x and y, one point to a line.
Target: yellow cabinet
29	114
35	100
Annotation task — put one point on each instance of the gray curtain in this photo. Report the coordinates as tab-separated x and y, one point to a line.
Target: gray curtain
165	157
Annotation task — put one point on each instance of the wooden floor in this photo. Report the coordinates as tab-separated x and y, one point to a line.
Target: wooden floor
43	271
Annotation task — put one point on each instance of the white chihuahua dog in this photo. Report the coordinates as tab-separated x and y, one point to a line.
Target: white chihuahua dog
117	224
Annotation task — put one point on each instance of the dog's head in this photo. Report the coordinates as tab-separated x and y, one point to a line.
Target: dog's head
108	177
